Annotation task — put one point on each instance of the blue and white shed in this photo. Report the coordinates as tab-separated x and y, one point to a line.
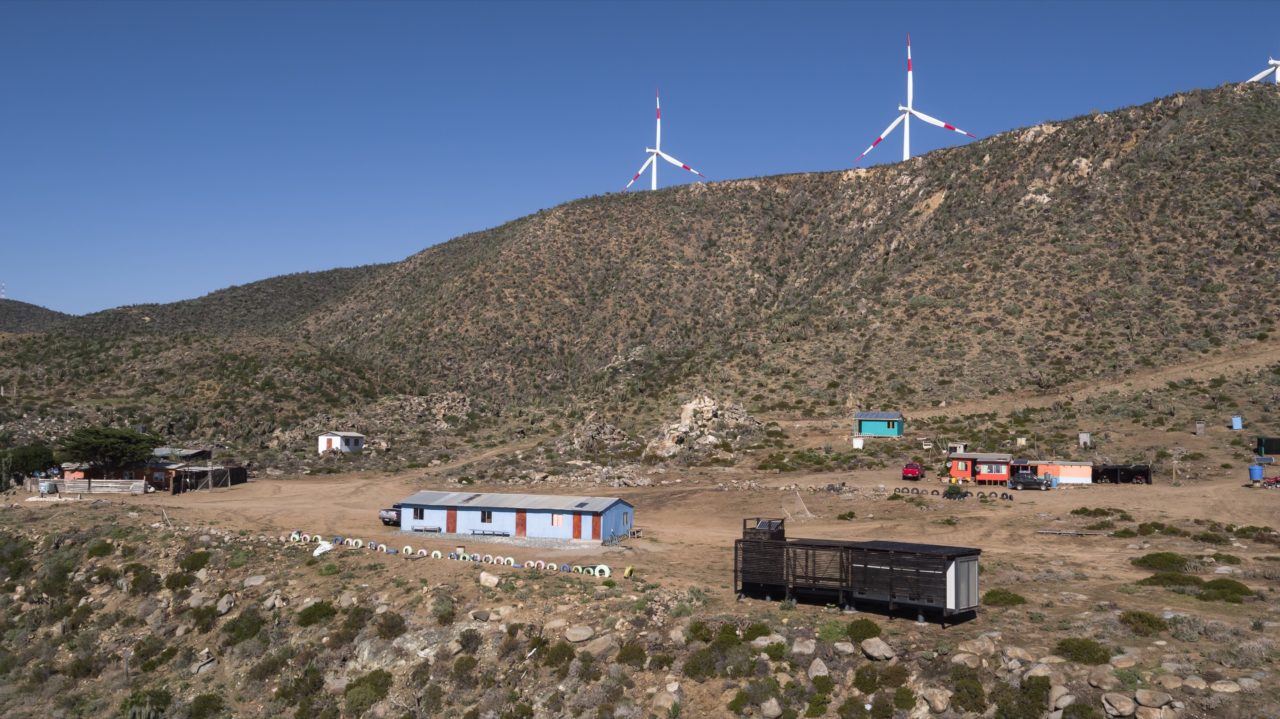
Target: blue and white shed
543	516
878	424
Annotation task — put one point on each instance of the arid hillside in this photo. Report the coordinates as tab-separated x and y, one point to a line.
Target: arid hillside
1070	251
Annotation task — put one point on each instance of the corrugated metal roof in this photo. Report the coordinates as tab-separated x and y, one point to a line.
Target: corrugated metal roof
512	501
1060	462
877	415
983	456
342	434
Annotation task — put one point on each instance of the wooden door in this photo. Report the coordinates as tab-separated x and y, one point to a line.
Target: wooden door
595	526
520	523
577	526
451	520
328	443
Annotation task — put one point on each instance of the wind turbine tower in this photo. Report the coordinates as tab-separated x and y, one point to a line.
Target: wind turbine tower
1273	69
905	118
655	152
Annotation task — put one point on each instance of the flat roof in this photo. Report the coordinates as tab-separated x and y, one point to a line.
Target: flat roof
880	545
1060	462
342	434
983	456
877	415
513	501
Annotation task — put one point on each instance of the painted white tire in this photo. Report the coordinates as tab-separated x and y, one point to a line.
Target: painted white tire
407	549
317	538
510	562
577	569
565	568
487	559
589	571
475	557
306	538
539	564
436	554
294	537
603	570
357	543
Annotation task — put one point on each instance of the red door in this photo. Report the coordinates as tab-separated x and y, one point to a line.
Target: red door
577	526
520	522
328	443
451	520
595	526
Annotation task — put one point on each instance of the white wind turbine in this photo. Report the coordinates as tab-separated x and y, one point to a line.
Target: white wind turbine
905	118
1273	68
655	152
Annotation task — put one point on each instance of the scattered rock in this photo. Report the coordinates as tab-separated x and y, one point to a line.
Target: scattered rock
488	580
480	615
803	646
982	646
973	661
1169	681
1152	698
579	633
939	699
845	648
818	668
225	604
1019	653
1102	677
602	647
1249	684
1118	705
254	581
771	709
877	650
1226	686
198	599
1123	661
759	643
663	701
1195	682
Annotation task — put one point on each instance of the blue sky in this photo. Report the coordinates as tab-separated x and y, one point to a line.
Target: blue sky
151	152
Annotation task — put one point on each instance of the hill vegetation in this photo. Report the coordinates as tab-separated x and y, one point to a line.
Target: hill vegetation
1068	251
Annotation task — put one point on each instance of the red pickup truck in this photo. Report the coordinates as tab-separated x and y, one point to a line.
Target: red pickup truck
913	471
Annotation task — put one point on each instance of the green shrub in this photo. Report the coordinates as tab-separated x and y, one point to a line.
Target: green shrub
158	699
204	618
442	608
894	676
1224	590
244	627
852	708
823	684
1124	533
867	679
99	548
1161	562
1080	710
726	637
1144	624
860	629
699	630
882	707
470	640
558	654
847	516
755	631
1171	579
206	706
142	580
178	581
700	665
389	625
968	693
776	651
904	698
462	668
661	662
1221	558
361	694
1002	598
321	611
271	665
632	654
1082	651
195	561
832	631
1211	538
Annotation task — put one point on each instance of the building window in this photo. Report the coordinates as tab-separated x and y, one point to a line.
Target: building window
991	469
557	520
419	513
961	465
626	519
891	424
486	516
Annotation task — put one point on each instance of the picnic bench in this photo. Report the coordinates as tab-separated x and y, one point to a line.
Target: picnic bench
490	533
430	530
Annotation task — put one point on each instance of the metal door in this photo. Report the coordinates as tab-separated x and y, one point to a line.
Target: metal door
451	520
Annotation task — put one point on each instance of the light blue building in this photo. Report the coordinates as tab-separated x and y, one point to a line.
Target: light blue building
878	424
542	516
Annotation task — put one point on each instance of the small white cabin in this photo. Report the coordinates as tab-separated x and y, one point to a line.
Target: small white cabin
341	442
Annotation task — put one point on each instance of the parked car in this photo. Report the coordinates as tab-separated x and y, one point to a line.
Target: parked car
390	517
913	471
1027	480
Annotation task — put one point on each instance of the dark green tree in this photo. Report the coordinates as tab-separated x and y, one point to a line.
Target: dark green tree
108	446
30	458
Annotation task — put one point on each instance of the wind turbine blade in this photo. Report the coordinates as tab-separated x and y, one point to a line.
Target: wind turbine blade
940	123
679	164
910	84
1263	74
639	172
657	102
883	135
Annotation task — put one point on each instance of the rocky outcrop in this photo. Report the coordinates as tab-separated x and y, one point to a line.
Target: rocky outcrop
706	426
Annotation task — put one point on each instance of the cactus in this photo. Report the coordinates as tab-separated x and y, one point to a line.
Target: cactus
145	712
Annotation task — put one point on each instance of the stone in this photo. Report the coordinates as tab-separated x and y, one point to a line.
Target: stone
480	615
1064	701
1226	686
488	580
202	574
771	709
347	599
1169	681
845	648
1102	677
1152	698
602	647
1020	654
1123	661
272	601
1195	682
982	646
939	699
254	581
579	633
804	646
678	638
1039	670
1055	693
759	643
225	604
973	661
876	649
1249	684
1148	713
1118	705
198	599
817	668
663	701
202	666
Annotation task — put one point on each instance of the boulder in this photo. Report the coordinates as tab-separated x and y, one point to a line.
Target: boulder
1195	682
488	580
225	604
1148	713
771	709
1226	686
1020	654
254	581
579	633
1249	684
1064	701
804	646
982	646
480	615
845	648
1152	698
973	661
198	599
1102	677
759	643
939	699
876	649
1056	692
678	638
818	668
663	701
1169	681
1118	705
1123	661
602	647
